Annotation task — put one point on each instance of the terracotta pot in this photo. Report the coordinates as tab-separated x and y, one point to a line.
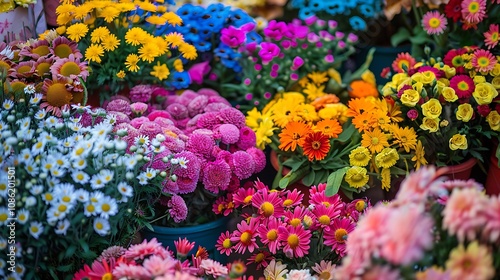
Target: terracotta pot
299	185
460	171
492	184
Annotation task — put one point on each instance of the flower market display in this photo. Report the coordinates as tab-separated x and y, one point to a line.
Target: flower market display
223	140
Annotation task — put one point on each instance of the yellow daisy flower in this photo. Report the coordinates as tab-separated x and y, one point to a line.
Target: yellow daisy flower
172	18
188	51
156	20
419	157
360	156
387	158
77	31
160	71
135	36
317	77
110	42
148	52
174	39
121	74
131	62
356	177
99	34
94	53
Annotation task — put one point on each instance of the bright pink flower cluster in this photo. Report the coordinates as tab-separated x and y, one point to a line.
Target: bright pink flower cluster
278	225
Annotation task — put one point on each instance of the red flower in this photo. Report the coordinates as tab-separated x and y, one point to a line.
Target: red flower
463	86
453	10
483	110
316	145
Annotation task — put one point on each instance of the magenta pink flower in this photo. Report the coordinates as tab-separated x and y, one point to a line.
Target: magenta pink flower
159	114
185	185
247	138
70	67
213	268
296	217
483	60
119	105
268	233
145	249
199	143
193	166
295	30
337	234
244	236
412	114
158	266
178	209
232	36
268	204
324	216
138	108
208	120
224	245
158	162
197	105
492	229
233	116
259	158
198	71
434	22
60	46
473	11
183	247
268	51
463	86
141	93
492	36
275	30
230	134
297	63
216	176
137	122
296	240
177	111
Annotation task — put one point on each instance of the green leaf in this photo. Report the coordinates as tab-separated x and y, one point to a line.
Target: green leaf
84	245
294	176
346	133
148	225
420	36
70	251
294	164
308	180
334	180
65	268
400	36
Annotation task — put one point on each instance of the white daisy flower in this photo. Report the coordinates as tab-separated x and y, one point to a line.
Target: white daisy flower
107	175
141	140
4	215
109	159
32	168
47	164
53	215
110	119
97	181
20	270
25	134
100	130
63	209
81	149
90	209
36	189
48	197
80	108
101	226
150	173
8	104
62	227
60	160
174	161
108	207
3	185
125	189
67	143
80	177
30	89
57	172
38	148
79	163
82	195
96	197
35	99
23	216
24	123
51	122
36	228
40	115
99	146
47	137
30	201
183	162
3	125
52	182
76	127
143	180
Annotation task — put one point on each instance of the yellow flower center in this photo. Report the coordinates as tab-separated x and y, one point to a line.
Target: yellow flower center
295	222
62	208
90	208
483	61
41	50
287	202
360	205
324	220
267	209
259	257
48	197
374	140
325	275
3	187
107	276
434	22
463	85
316	145
3	217
99	226
340	235
79	151
66	199
105	207
246	238
293	241
327	204
4	66
23	69
34	229
63	51
79	176
220	207
473	7
57	95
272	235
70	68
226	243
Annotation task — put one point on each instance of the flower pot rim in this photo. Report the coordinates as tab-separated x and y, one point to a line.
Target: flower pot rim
468	164
190	229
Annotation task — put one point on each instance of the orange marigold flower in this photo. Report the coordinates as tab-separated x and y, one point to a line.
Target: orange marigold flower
364	121
316	145
331	127
321	101
358	106
292	135
360	88
374	140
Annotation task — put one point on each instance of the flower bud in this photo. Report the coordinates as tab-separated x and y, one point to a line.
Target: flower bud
109	145
160	138
173	177
163	174
129	176
11	118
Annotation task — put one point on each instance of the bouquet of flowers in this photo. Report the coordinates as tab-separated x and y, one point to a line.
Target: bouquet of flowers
202	149
278	229
449	103
119	42
456	237
150	260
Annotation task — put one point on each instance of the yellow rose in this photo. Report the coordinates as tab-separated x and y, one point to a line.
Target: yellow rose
458	141
496	82
417	77
484	93
388	89
418	86
369	77
428	77
464	112
410	97
449	94
479	79
496	70
403	82
432	125
397	78
432	108
449	71
493	120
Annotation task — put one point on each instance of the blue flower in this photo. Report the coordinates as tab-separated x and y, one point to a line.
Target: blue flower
202	45
298	3
239	17
305	13
357	23
180	80
335	8
317	5
349	3
367	10
253	36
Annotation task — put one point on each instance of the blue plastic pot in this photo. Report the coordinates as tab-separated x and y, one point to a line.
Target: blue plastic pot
204	235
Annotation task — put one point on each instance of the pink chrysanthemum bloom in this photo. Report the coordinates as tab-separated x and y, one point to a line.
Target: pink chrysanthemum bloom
434	22
38	49
492	229
224	244
137	122
186	97
208	92
491	37
208	120
150	129
247	138
159	114
292	198
120	117
243	197
197	105
381	272
402	244
145	249
336	235
24	69
157	266
141	93
473	11
243	165
216	176
464	213
268	204
213	268
297	217
333	201
473	262
215	107
177	111
325	216
119	105
139	108
232	116
174	144
437	73
70	67
324	270
193	166
130	271
178	209
183	247
62	47
186	185
261	259
244	236
403	61
463	86
419	185
171	187
218	99
483	60
200	143
178	275
268	233
230	134
113	252
296	240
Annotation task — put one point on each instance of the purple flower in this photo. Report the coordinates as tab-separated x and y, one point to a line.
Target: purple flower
230	134
259	158
200	143
294	76
247	138
174	144
198	71
137	122
141	93
297	63
186	97
158	162
163	122
216	176
243	165
297	31
207	92
286	44
332	25
138	108
178	209
268	51
193	166
352	38
251	47
218	98
275	29
159	114
197	105
412	114
170	187
208	120
339	35
233	116
232	36
119	105
329	58
178	111
310	20
312	37
273	74
150	129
